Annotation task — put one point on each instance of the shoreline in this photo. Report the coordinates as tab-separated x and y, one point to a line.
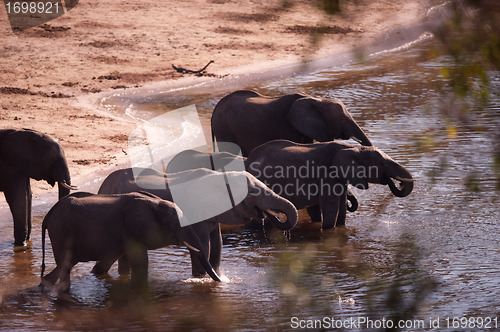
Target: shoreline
393	40
390	41
92	137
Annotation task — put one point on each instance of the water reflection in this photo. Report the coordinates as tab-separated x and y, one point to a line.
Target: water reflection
441	233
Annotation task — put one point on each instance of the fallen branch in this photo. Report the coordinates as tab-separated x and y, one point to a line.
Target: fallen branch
189	71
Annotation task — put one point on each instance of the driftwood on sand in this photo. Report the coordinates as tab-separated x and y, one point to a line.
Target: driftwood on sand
189	71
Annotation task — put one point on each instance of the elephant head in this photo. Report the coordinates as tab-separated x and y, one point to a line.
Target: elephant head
37	156
325	120
230	198
264	199
360	166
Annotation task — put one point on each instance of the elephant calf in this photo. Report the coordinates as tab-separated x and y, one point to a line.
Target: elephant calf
258	202
86	227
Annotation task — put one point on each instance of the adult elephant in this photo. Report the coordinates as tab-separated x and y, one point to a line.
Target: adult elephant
26	154
318	174
223	159
250	119
258	202
86	227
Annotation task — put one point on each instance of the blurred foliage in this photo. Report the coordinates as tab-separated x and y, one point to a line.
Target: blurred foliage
331	7
471	37
469	40
309	281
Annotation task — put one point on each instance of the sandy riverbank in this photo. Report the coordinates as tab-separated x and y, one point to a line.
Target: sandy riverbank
102	46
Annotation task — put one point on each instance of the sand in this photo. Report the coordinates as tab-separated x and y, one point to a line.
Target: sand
104	46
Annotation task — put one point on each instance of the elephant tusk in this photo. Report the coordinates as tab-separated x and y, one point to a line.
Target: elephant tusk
356	139
404	179
67	186
190	246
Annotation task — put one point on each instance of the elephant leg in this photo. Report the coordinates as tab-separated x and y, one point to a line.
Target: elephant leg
138	258
62	274
123	265
64	278
18	195
50	278
342	209
315	213
197	238
330	207
215	248
63	255
28	207
103	266
197	267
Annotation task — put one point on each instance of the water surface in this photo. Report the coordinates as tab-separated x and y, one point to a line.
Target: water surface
440	242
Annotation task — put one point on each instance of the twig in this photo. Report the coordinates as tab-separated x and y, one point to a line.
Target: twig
189	71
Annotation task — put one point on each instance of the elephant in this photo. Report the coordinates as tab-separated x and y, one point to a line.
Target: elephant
260	202
26	154
318	174
92	227
192	159
250	119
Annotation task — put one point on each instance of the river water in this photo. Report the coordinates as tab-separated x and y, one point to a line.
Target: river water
432	255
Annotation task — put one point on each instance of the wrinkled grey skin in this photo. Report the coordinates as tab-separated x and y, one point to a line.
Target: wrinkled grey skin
260	202
250	119
266	161
26	154
87	227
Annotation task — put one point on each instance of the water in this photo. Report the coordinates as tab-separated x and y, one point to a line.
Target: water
440	242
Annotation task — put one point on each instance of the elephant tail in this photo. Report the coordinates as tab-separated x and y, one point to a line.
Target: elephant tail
44	229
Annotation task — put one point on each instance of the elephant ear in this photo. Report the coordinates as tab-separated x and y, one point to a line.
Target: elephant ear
349	168
305	115
141	220
26	151
165	212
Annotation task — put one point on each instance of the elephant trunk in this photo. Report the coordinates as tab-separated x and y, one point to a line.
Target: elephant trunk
270	202
359	136
351	197
406	182
63	179
64	189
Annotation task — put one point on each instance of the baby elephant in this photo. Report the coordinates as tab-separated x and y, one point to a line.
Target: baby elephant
86	227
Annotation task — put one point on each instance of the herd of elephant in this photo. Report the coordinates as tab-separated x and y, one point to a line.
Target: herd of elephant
286	145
